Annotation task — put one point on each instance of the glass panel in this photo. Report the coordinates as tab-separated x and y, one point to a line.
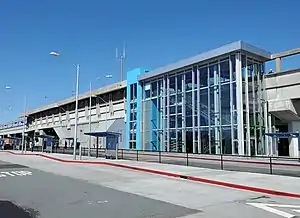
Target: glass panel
204	141
212	106
195	102
135	91
204	107
172	121
153	89
179	83
212	69
172	85
188	104
172	109
131	92
179	109
233	62
188	80
195	77
179	98
212	140
179	121
203	76
147	88
225	104
172	99
226	140
224	72
172	140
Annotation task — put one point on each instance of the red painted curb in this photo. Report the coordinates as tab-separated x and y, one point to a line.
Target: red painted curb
191	178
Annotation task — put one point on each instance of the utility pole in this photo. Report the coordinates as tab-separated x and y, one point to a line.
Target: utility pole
121	56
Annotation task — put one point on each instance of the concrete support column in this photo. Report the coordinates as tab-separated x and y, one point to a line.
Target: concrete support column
278	64
294	145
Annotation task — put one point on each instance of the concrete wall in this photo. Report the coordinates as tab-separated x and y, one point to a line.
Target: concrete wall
11	131
283	85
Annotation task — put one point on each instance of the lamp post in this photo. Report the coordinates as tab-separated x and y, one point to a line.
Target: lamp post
24	127
56	54
90	114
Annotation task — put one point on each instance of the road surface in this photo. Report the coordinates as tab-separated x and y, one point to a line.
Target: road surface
49	189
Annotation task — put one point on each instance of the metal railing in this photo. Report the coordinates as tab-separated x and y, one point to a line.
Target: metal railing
255	164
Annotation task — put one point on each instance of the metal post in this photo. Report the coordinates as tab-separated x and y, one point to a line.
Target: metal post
76	113
24	126
90	122
271	166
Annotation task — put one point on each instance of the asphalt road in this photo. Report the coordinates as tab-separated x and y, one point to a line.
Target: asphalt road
51	189
46	195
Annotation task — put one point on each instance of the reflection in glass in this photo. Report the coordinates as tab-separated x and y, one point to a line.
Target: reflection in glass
224	72
203	76
172	85
179	83
204	140
188	80
204	107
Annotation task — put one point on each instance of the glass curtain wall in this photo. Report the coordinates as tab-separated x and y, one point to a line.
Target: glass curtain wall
195	109
253	116
133	116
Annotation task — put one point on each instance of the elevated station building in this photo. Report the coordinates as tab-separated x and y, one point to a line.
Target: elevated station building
220	101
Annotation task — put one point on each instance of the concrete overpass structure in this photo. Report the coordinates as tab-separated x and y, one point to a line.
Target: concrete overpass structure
282	94
57	119
11	128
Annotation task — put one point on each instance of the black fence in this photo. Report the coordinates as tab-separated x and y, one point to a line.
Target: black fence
255	164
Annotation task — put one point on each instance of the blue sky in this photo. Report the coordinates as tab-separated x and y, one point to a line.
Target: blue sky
156	33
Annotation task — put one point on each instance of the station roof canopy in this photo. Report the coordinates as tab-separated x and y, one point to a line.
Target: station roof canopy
45	136
102	134
209	55
284	135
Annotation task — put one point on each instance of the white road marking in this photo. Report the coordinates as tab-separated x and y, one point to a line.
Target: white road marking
15	173
269	208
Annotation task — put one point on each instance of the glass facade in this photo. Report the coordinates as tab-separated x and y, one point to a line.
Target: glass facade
211	107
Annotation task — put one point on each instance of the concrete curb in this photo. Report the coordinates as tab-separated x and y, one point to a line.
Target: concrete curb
175	175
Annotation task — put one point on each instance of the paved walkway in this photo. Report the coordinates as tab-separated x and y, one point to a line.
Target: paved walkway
261	183
214	193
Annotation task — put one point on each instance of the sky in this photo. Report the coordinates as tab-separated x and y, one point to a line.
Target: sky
156	33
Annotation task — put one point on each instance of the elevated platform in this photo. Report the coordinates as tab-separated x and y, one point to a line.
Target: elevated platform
282	91
103	90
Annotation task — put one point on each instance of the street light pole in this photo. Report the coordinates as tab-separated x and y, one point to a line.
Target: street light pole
56	54
90	114
76	114
24	125
90	121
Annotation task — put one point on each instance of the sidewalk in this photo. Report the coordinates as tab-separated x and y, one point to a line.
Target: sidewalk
260	183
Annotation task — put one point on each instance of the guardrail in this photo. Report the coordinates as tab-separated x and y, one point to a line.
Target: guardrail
255	164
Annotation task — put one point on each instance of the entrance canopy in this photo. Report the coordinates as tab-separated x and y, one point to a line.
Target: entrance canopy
69	138
284	135
103	134
45	136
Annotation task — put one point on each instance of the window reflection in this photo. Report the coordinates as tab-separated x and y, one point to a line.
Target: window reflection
188	80
172	85
203	76
224	72
179	83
